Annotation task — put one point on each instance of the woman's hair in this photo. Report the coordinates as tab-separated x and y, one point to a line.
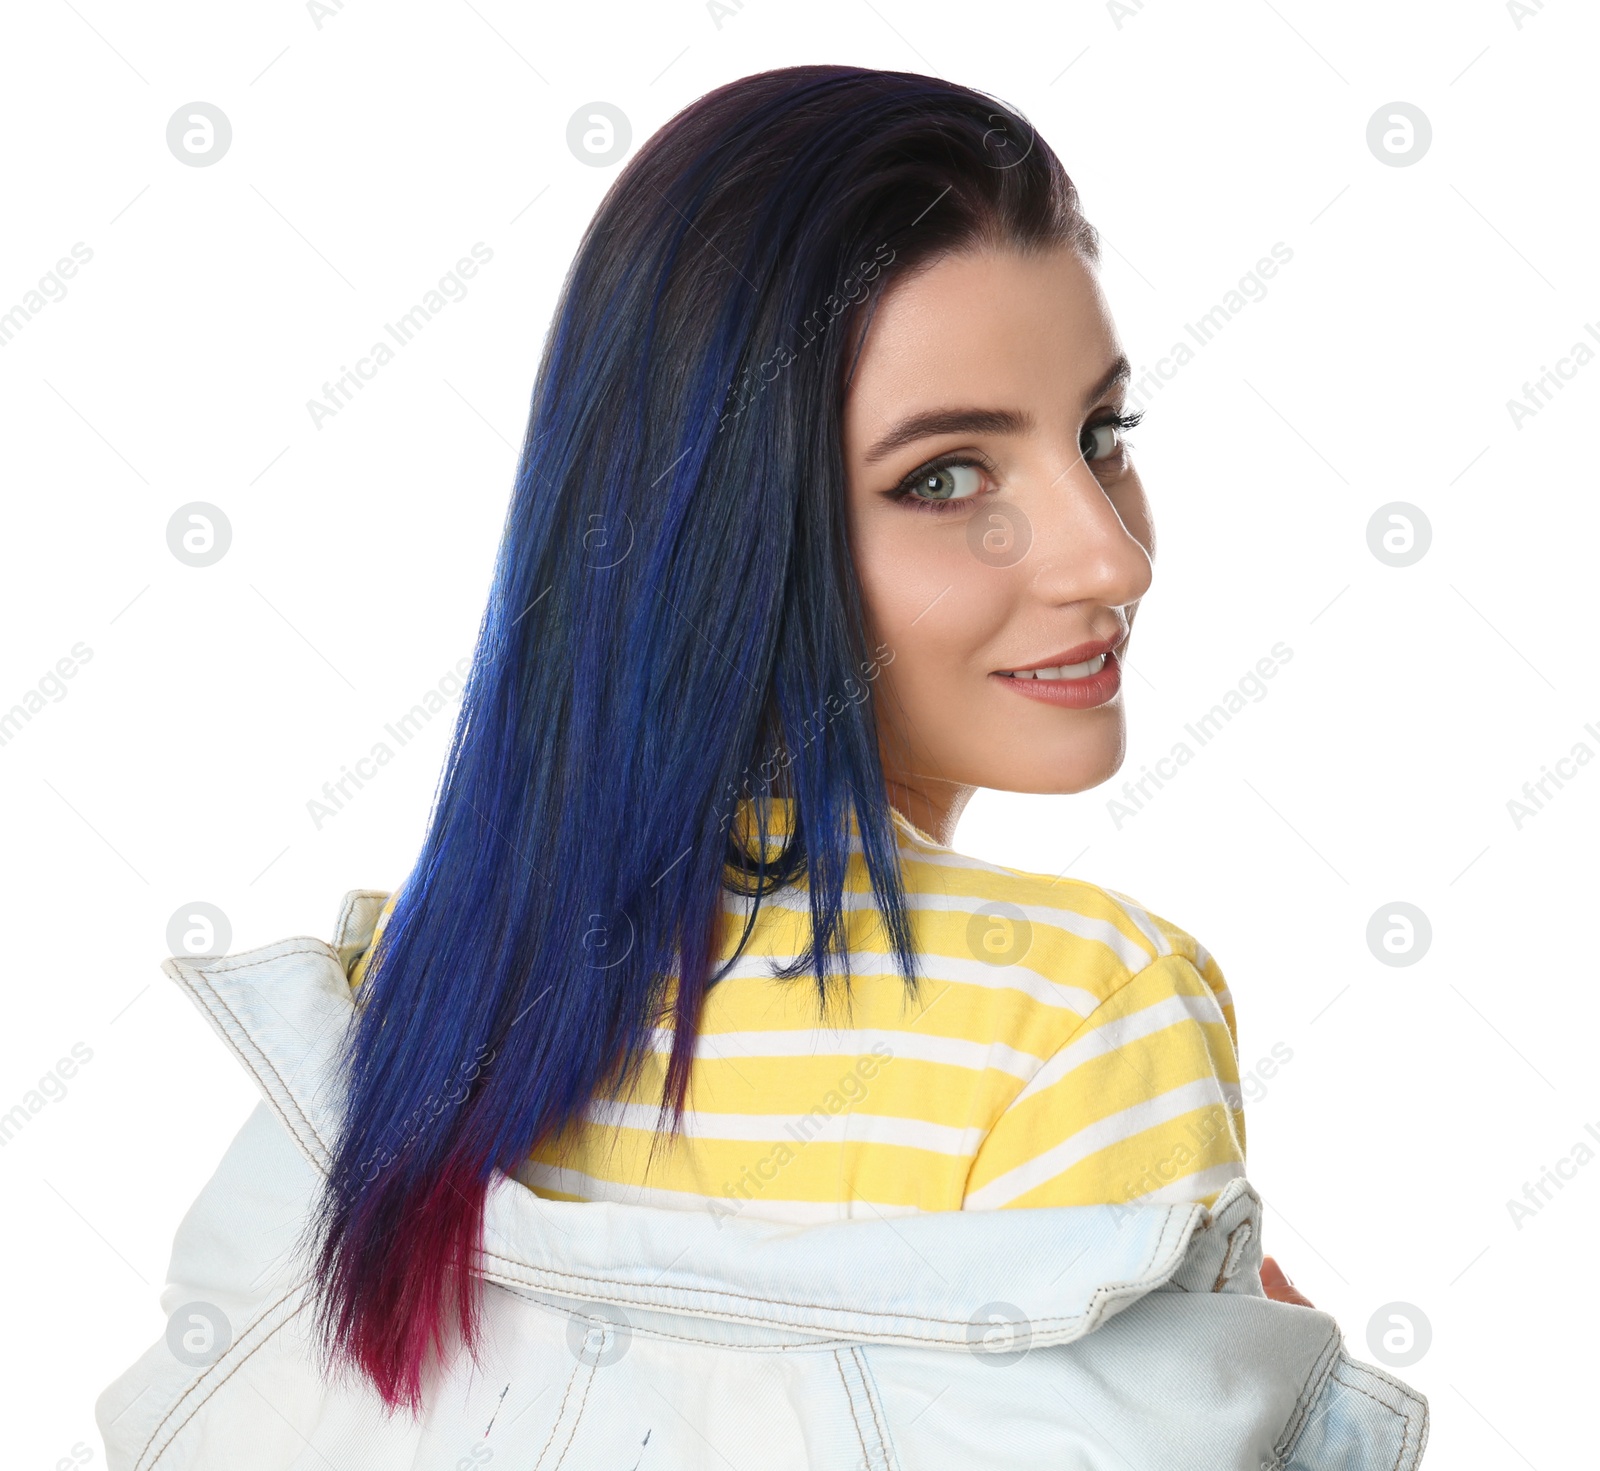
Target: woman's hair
674	634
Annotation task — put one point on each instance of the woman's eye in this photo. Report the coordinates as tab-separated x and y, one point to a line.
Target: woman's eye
946	483
1100	441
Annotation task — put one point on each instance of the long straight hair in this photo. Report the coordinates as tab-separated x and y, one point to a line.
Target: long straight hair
674	629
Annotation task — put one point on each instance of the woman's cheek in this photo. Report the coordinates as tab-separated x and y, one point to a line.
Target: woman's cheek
939	607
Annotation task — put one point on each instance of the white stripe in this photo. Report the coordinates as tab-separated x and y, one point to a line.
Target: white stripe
956	970
1136	912
1192	1187
858	1042
921	840
1097	1136
949	858
1115	1034
1133	956
1147	926
796	1212
1201	957
797	1129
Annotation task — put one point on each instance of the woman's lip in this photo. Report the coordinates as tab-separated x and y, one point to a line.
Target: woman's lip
1080	654
1072	694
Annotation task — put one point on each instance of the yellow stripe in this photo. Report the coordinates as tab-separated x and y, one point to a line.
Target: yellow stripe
1067	1047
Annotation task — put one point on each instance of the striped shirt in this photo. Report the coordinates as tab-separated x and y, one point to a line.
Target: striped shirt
1067	1047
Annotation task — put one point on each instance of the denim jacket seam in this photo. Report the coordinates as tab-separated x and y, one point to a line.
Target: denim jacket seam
577	1416
199	1379
819	1344
279	1107
561	1410
1405	1434
850	1399
1321	1367
347	909
1045	1324
870	1387
249	959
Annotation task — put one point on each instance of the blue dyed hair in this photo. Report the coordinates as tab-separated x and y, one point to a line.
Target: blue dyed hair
673	609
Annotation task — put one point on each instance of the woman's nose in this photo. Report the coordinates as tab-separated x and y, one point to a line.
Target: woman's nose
1079	547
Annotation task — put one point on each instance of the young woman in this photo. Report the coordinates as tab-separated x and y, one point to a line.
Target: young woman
825	517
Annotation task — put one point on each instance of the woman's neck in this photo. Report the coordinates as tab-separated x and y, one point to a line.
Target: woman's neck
933	806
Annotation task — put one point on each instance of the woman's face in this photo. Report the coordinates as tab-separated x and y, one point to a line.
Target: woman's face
998	526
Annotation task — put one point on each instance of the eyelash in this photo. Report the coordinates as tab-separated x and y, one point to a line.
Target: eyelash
902	492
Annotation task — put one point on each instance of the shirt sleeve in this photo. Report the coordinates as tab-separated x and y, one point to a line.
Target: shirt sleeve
1141	1104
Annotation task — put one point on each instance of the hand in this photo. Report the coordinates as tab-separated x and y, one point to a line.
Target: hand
1278	1287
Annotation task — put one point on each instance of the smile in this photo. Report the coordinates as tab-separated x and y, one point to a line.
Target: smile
1063	671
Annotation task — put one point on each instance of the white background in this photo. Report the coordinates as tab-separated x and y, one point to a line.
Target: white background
371	152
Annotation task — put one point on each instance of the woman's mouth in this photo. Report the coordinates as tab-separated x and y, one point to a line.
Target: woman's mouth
1071	686
1064	671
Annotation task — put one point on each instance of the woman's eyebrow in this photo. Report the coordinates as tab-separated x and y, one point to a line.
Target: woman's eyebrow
1119	372
949	421
980	421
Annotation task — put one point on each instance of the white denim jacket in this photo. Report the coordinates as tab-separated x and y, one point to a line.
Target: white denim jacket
636	1338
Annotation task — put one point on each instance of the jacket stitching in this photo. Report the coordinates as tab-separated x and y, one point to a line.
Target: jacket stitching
194	1384
872	1404
249	959
205	974
1321	1367
1168	1225
1405	1434
838	1362
1404	1390
1230	1257
267	1064
816	1345
346	922
556	1423
346	912
289	1128
577	1417
1065	1320
1100	1293
828	1340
